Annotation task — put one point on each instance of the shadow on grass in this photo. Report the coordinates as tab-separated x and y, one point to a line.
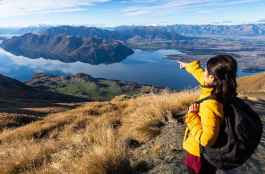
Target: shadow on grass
18	111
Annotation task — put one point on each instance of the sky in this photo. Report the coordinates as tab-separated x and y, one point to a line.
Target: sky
109	13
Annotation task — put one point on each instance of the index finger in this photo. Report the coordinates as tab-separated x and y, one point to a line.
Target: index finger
180	62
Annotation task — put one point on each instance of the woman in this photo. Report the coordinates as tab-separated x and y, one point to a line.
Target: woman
203	120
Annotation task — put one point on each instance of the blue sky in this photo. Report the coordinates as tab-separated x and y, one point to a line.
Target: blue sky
105	13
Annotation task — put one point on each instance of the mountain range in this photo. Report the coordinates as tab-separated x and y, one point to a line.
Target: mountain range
219	30
96	45
187	30
119	33
23	30
88	44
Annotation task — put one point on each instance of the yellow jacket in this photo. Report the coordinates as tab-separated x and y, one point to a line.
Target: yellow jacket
203	127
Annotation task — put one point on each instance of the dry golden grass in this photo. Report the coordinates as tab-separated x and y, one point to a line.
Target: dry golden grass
107	154
252	87
255	83
19	156
149	112
89	139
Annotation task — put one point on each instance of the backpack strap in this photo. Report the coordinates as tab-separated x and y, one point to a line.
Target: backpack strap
205	98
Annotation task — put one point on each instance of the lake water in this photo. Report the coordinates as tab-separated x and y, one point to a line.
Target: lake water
145	67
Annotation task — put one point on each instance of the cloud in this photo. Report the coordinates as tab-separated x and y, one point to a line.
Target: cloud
10	8
131	12
174	5
225	22
162	6
261	21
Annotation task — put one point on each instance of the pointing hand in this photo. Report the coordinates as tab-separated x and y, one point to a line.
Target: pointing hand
181	64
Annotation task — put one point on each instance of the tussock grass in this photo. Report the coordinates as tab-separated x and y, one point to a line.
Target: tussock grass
151	111
107	155
252	83
19	156
90	139
252	87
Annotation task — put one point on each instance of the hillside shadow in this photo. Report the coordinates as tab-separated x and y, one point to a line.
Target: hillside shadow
30	107
18	111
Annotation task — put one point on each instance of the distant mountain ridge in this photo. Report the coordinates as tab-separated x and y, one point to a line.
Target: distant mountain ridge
140	37
87	44
123	34
181	29
95	45
23	30
222	30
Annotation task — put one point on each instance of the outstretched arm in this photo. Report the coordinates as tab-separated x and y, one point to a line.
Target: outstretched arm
195	69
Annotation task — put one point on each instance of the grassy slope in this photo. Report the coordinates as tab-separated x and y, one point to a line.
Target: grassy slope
99	137
90	139
87	87
90	90
253	86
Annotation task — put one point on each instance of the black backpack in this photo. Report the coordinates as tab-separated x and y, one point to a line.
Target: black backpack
239	136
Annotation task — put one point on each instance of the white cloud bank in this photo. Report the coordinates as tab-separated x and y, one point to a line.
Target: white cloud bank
9	8
173	5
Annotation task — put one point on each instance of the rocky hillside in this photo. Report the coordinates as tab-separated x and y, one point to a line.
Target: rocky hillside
85	86
67	48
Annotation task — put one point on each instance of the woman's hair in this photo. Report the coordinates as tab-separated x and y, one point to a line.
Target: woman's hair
224	70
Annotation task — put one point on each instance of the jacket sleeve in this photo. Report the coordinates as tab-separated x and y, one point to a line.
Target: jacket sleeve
204	128
196	70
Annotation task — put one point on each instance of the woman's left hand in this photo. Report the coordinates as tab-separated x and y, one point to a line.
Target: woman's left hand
194	108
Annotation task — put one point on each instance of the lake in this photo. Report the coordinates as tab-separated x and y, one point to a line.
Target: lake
145	67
